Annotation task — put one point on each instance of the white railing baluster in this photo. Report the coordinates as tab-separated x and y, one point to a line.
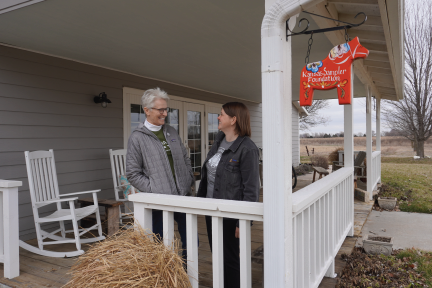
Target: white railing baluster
314	240
143	217
295	252
144	203
168	228
192	248
245	254
306	239
322	215
302	247
322	231
217	252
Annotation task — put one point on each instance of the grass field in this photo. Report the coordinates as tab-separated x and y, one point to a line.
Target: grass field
407	179
392	146
410	181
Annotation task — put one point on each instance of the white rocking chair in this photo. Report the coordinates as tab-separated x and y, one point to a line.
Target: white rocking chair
118	168
42	178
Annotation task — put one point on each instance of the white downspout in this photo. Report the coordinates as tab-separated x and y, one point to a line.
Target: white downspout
369	151
378	134
276	102
378	124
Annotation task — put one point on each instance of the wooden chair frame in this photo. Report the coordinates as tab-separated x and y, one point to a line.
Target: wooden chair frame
43	185
118	167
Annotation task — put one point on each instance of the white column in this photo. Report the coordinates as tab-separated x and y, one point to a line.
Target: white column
276	103
369	184
348	131
378	124
349	146
9	227
277	142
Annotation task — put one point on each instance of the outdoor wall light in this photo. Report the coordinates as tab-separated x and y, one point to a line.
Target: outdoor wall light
103	99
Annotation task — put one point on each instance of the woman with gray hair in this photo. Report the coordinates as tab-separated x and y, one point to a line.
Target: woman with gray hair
157	161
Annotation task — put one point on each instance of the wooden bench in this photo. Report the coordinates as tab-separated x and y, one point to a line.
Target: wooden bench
112	211
320	171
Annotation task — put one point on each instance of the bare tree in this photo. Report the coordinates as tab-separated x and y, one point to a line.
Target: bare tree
314	118
412	116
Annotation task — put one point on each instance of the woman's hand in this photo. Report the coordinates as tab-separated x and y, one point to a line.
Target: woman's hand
237	233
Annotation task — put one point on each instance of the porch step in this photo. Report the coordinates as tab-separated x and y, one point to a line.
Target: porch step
363	195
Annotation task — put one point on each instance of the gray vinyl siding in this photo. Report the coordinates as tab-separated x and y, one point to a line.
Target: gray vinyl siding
256	122
295	137
47	103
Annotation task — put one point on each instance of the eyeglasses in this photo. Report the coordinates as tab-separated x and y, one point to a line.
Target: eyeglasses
162	110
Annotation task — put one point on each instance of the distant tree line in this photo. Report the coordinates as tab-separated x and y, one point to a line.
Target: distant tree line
341	134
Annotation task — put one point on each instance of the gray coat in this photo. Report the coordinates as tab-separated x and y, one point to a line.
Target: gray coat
147	165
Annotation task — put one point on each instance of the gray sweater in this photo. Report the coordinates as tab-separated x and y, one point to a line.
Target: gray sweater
147	165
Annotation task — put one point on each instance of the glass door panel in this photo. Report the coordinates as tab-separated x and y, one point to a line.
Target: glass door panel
174	118
194	123
137	116
212	128
212	113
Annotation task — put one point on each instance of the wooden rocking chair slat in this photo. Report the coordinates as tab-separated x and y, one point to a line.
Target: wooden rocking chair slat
47	185
44	190
50	179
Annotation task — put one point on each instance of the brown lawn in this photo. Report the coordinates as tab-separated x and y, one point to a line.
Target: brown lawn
392	146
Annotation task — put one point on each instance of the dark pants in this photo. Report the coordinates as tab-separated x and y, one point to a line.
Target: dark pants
231	251
180	218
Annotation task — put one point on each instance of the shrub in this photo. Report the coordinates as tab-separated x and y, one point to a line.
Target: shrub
334	155
320	161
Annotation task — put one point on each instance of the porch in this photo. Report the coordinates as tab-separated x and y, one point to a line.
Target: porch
39	271
201	51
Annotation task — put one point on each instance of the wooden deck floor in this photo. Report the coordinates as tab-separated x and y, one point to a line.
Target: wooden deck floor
40	271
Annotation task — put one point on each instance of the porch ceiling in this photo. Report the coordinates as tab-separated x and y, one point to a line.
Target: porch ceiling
209	45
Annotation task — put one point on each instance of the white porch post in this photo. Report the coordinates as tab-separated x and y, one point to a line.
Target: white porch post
369	184
378	135
378	124
349	145
9	227
277	150
277	142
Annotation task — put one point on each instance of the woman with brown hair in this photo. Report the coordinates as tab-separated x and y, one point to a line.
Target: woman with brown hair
231	171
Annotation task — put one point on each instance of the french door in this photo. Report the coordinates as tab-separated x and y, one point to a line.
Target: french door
196	123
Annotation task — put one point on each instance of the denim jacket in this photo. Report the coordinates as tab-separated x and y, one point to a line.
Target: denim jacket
237	175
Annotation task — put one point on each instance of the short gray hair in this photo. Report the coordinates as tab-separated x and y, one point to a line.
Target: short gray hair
151	95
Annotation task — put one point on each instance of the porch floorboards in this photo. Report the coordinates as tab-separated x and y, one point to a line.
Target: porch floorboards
41	271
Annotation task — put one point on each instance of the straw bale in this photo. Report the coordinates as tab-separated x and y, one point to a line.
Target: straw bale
130	258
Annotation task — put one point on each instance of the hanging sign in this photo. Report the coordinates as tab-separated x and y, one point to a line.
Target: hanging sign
333	72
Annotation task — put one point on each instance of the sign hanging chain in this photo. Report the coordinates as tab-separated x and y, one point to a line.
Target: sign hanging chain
309	49
346	36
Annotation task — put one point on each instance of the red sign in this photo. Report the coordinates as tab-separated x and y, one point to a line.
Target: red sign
332	72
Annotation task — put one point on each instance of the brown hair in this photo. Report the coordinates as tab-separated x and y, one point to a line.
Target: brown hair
241	112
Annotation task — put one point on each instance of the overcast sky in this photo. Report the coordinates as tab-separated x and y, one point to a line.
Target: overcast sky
336	117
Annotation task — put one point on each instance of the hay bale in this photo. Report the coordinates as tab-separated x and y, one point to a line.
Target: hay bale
130	258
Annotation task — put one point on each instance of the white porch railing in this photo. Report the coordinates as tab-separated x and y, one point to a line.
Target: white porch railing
244	211
323	215
9	229
376	168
